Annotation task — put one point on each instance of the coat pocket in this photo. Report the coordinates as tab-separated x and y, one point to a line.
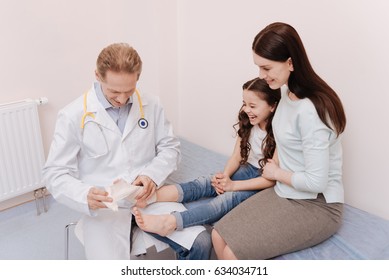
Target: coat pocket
94	140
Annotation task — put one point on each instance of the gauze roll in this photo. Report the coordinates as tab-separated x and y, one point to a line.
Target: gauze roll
123	190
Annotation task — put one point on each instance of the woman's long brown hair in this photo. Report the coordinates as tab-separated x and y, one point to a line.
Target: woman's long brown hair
279	42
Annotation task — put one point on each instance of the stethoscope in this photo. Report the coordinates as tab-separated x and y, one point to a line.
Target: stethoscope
142	122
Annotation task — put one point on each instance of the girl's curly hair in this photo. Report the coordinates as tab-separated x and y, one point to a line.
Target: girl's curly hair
272	97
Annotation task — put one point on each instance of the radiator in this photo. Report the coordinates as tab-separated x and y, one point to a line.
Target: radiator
21	149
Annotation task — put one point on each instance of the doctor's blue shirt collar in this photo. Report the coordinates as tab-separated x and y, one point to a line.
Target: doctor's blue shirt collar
118	114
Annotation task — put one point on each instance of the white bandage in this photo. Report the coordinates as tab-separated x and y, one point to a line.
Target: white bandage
123	190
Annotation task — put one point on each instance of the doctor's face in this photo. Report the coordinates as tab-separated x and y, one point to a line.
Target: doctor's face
118	87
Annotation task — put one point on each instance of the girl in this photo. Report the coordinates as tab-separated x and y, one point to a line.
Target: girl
241	176
305	207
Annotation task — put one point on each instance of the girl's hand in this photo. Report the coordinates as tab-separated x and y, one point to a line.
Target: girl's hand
270	169
215	182
226	184
222	183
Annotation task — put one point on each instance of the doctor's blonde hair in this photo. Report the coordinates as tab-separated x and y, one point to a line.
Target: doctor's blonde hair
118	57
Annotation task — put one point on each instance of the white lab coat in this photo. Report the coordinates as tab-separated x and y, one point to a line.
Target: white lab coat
99	154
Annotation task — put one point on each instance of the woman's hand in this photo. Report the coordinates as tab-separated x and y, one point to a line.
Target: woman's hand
270	170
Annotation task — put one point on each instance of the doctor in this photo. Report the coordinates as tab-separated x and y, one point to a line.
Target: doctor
112	132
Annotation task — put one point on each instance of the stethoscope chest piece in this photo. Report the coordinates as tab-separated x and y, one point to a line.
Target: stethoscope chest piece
143	123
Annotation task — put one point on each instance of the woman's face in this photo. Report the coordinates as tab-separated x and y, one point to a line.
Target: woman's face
275	73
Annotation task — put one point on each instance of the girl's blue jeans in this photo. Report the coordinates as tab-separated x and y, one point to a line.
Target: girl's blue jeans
211	210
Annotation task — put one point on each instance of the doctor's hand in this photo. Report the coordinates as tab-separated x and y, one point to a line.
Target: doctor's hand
149	187
96	197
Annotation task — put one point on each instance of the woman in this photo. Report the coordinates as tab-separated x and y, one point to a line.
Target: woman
305	206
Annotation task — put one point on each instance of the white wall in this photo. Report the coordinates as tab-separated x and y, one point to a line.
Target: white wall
197	54
49	48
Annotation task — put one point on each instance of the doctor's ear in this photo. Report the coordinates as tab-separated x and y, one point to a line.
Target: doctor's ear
98	78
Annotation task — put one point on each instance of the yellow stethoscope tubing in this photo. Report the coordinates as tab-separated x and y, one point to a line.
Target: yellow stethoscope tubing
90	114
142	114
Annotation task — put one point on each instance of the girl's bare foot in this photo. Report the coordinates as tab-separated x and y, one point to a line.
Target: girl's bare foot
160	224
